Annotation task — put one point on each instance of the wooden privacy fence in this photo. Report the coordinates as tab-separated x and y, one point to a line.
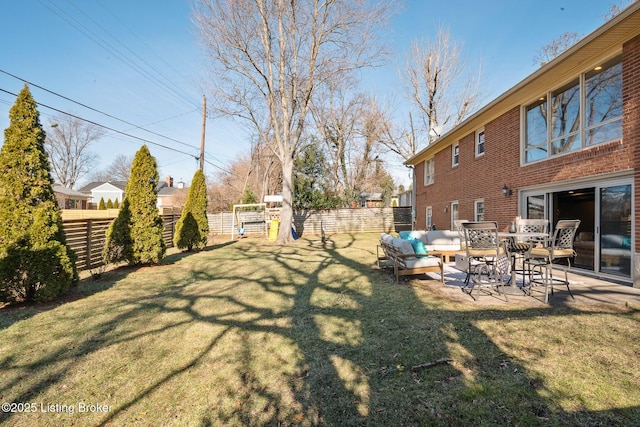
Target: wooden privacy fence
86	233
332	221
86	230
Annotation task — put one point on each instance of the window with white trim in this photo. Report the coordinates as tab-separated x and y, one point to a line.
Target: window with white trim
454	215
584	112
480	142
455	154
428	172
429	217
479	210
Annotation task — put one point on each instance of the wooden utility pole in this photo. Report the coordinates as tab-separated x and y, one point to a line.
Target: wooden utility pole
204	123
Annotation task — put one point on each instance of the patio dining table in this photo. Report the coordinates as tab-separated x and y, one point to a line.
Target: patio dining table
519	237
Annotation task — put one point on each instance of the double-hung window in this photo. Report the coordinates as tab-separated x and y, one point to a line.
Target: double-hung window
581	113
480	143
479	210
428	172
455	154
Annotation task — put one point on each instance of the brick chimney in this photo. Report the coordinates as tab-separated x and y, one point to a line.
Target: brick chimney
169	181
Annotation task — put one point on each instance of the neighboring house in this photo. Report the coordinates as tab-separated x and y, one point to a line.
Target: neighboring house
70	199
170	196
563	143
371	200
104	190
405	199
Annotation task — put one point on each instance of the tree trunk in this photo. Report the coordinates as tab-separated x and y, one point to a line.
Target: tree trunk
286	217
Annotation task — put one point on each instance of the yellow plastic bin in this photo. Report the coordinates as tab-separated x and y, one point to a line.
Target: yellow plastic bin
273	230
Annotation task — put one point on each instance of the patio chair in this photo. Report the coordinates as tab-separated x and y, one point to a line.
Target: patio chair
518	247
540	259
484	253
457	224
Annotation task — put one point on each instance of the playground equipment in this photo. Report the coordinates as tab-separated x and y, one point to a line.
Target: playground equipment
249	218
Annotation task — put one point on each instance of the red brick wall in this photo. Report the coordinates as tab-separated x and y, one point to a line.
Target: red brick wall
631	116
484	177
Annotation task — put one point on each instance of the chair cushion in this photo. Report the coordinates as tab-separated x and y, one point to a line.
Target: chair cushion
443	237
404	246
430	261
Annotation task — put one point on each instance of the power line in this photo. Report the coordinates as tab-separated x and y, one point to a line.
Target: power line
107	127
90	34
95	109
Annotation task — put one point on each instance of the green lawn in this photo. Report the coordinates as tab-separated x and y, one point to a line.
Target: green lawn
249	333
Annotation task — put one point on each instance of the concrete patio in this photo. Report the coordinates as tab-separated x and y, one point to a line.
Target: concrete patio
587	291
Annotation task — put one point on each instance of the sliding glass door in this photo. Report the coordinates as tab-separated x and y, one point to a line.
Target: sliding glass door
604	240
615	230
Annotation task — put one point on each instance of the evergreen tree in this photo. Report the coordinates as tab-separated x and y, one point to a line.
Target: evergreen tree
146	223
101	205
311	190
116	204
192	228
35	262
248	197
109	204
118	246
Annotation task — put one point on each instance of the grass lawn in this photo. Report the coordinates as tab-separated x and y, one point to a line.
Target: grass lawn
249	333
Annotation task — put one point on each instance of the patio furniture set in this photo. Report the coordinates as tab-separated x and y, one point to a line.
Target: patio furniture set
492	259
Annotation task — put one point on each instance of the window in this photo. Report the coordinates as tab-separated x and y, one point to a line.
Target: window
479	210
454	215
429	217
480	142
455	154
603	104
428	172
582	113
565	118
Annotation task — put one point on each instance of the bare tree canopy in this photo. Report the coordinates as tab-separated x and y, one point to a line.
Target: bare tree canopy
437	83
118	170
546	53
67	145
269	58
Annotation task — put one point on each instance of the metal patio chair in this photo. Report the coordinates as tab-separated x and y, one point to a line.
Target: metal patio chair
539	260
484	251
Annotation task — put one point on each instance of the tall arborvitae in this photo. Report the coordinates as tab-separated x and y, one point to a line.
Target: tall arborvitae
35	262
192	229
118	246
146	223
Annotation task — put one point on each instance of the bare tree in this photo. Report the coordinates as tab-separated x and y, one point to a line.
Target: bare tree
548	52
67	145
616	8
437	84
270	57
118	169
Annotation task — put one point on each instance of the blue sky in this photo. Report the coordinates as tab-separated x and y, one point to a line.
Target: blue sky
139	61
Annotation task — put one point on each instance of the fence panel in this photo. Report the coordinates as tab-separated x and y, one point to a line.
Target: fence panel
86	234
331	221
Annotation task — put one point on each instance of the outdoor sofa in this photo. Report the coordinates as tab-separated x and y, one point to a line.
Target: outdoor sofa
401	254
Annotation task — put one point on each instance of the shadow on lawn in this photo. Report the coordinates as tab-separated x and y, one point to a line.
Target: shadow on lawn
354	336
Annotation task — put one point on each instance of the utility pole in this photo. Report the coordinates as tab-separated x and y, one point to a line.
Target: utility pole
204	122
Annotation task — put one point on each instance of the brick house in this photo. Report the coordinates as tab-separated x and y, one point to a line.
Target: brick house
70	199
563	143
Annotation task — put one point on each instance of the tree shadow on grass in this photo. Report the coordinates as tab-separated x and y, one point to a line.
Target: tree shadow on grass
298	335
